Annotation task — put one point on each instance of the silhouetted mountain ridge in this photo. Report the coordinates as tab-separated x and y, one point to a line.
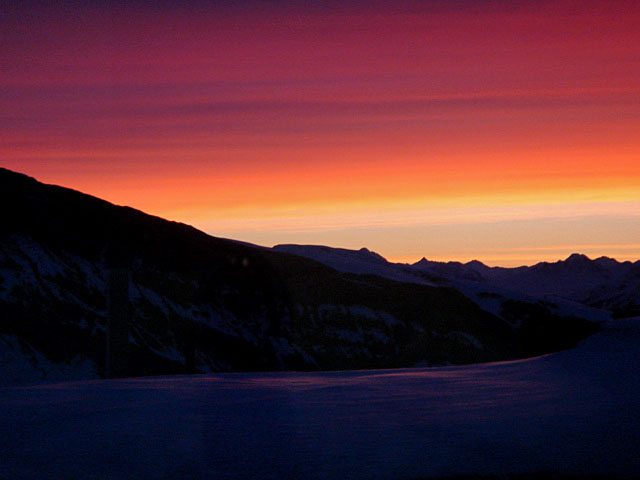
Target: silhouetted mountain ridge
199	303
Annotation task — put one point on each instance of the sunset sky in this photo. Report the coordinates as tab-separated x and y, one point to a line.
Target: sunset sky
507	132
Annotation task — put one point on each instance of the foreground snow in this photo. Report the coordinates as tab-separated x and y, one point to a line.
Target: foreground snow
573	412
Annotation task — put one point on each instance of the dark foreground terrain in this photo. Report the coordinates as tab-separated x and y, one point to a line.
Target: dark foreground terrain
573	414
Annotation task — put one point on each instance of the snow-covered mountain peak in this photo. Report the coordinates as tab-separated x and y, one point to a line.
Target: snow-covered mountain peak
322	252
362	261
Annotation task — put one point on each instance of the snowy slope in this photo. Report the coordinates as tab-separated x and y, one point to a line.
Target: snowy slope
361	262
488	287
575	412
21	364
602	283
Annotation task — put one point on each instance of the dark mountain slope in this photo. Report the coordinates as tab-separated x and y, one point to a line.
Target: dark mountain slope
199	303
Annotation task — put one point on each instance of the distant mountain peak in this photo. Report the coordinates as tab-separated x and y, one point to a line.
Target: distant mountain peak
577	258
606	261
476	263
312	251
370	253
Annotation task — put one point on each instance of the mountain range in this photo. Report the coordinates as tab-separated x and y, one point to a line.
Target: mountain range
577	285
89	289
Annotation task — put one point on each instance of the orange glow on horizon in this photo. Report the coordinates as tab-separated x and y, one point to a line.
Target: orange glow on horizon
284	122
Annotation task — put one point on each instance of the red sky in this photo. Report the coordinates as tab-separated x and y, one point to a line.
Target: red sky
503	131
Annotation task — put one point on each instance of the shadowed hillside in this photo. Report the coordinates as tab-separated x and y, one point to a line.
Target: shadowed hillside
196	303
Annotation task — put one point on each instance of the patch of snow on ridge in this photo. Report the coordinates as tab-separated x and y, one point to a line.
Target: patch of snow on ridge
282	346
362	311
31	255
470	339
25	263
21	364
387	318
350	336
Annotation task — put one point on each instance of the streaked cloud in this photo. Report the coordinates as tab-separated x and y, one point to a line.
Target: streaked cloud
275	121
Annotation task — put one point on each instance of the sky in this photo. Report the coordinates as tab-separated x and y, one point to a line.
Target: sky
507	132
